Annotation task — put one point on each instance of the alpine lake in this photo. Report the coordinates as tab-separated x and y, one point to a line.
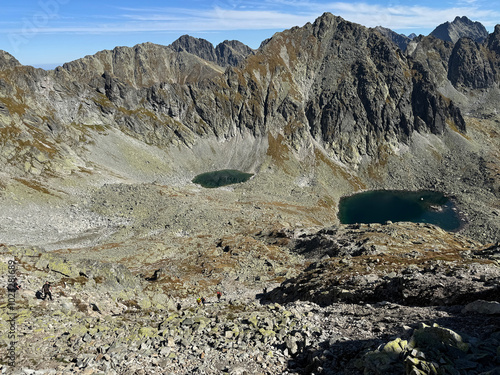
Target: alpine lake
380	206
220	178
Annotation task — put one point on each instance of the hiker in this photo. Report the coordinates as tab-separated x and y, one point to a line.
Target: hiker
198	301
203	300
179	307
219	295
46	288
13	286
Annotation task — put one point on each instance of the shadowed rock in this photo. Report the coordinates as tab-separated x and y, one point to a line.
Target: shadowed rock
469	66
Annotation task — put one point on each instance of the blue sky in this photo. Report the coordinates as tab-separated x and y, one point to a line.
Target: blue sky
46	33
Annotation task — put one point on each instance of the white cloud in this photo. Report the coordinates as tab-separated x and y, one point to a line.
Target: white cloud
278	14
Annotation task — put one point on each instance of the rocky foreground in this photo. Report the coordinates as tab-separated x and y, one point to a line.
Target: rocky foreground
368	299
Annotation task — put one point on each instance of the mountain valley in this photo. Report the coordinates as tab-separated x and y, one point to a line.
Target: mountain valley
96	196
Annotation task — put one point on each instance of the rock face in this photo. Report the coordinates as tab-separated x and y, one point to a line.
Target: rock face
466	64
469	67
196	46
308	84
494	40
400	40
139	66
460	27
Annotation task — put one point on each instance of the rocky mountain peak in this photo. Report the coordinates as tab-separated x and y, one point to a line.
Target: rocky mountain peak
7	60
97	160
227	53
460	27
196	46
232	52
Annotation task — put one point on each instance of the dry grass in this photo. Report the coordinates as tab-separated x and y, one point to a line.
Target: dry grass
279	151
13	106
33	184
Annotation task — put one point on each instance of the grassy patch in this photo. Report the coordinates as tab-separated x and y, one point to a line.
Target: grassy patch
278	150
14	107
80	305
35	185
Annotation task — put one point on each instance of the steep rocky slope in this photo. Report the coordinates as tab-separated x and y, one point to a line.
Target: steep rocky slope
307	84
400	40
141	66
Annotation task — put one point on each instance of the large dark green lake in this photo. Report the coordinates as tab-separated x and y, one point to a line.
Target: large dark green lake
380	206
221	178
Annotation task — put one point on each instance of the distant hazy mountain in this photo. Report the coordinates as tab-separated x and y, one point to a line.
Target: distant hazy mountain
460	27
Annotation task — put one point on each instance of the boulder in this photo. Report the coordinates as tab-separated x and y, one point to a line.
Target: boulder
482	307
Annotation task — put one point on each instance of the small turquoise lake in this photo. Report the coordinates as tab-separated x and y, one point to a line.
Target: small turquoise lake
220	178
379	206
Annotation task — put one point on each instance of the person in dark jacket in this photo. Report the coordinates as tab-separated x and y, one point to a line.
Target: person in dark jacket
14	286
46	289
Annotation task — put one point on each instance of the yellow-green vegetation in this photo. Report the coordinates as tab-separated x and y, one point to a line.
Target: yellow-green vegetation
31	137
86	129
446	251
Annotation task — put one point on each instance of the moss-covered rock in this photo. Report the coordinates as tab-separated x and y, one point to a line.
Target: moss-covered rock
437	338
145	303
148	332
57	264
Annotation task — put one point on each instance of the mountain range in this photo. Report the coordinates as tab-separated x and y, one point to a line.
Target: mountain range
331	92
